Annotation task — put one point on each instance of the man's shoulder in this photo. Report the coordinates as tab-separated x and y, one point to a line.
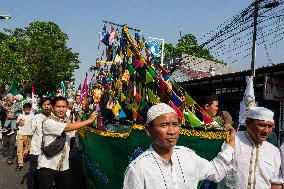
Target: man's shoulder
39	116
49	122
270	147
143	157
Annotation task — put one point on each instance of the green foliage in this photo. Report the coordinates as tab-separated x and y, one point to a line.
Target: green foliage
36	55
187	44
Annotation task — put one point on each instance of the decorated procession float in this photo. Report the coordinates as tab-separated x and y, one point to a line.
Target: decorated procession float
124	87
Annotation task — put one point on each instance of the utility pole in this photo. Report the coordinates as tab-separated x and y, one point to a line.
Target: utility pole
256	7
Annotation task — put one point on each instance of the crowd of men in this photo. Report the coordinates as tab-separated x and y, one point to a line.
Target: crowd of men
26	130
246	159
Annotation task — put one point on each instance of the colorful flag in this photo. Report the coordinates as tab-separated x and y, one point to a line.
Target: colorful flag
143	104
179	113
131	70
128	52
149	78
122	96
189	100
63	88
176	85
137	97
14	88
194	121
152	97
121	114
151	72
139	118
85	88
163	86
137	63
176	100
116	109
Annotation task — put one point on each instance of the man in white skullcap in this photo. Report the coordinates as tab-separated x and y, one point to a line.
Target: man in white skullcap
165	165
256	162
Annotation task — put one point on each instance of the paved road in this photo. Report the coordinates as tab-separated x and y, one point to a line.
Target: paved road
11	179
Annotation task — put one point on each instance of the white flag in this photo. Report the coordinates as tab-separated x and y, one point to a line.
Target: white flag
248	101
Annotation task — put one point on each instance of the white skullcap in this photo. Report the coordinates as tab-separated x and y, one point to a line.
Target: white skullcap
9	94
158	110
260	113
19	97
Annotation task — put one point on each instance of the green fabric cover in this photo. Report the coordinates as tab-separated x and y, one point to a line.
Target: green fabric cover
106	158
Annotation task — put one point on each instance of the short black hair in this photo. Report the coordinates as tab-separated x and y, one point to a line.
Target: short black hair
209	100
58	98
44	100
27	105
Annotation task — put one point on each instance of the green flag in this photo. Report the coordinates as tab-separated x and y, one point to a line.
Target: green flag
152	72
189	100
194	121
14	88
149	78
143	104
176	85
152	97
131	70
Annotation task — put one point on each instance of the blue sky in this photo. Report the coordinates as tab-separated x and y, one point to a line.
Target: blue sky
82	20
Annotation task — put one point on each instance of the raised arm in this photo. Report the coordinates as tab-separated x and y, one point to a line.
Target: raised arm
217	169
78	125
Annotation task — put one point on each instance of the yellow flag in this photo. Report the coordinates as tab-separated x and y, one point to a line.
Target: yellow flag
122	96
116	109
128	53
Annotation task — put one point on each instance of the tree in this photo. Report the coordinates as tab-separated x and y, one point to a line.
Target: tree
36	56
187	44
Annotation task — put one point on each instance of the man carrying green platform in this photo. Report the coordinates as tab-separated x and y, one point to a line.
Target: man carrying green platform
256	164
165	165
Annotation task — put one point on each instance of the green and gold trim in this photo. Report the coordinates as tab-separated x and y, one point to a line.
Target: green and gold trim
186	132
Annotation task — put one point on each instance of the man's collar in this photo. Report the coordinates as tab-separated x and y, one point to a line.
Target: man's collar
159	158
250	139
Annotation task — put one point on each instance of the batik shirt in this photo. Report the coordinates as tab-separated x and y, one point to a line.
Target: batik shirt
151	171
51	128
254	167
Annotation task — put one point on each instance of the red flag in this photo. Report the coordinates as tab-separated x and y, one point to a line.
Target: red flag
137	97
206	118
179	113
139	118
137	63
33	90
164	71
163	85
34	102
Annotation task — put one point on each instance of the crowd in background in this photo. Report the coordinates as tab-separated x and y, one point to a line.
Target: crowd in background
26	128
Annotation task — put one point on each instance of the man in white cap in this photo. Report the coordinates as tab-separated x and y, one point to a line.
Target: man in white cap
165	165
256	162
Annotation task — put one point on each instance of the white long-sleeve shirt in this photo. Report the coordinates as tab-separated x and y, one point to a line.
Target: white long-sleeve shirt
150	171
37	134
254	166
25	128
